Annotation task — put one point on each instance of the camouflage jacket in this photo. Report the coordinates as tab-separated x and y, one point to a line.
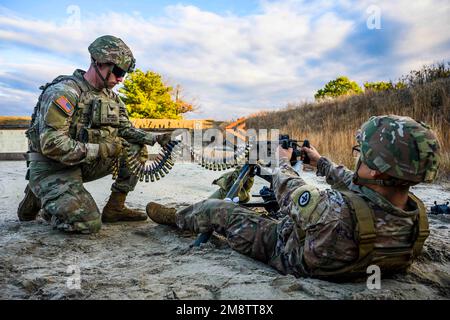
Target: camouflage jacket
58	116
327	221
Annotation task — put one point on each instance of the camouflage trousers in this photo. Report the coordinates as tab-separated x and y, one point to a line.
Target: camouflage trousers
65	201
273	242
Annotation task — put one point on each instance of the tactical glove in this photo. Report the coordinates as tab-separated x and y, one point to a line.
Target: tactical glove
163	139
111	148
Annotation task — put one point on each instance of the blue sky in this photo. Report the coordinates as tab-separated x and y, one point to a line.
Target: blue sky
231	58
54	9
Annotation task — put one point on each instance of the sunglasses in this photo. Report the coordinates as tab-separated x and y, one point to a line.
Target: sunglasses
118	72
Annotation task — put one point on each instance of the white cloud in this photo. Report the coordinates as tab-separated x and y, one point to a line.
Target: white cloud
15	101
229	63
423	37
427	23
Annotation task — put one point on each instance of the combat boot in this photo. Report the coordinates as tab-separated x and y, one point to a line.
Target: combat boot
29	207
161	214
115	210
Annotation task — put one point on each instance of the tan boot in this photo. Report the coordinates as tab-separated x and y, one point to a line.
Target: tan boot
29	207
115	210
161	214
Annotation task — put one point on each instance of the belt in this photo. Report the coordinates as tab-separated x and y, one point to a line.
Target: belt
36	156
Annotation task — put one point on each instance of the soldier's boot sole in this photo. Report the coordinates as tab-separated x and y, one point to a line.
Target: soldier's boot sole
161	214
29	207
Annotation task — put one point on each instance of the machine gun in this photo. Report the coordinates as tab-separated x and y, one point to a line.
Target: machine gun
266	193
164	162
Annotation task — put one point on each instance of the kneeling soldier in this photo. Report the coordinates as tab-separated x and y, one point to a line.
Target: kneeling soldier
78	131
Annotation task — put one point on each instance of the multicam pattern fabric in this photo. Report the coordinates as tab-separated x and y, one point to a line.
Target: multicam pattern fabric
57	131
110	49
245	231
65	201
400	147
54	133
312	239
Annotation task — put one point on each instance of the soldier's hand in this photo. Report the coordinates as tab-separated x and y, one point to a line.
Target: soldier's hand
285	153
163	139
313	155
111	148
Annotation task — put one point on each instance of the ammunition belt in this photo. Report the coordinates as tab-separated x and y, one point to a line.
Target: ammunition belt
150	172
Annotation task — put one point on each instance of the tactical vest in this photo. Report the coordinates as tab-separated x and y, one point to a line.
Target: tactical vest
95	115
389	260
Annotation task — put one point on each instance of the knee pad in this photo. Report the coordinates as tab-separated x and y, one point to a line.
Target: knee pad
74	212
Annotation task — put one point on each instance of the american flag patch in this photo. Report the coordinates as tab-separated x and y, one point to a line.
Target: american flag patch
65	105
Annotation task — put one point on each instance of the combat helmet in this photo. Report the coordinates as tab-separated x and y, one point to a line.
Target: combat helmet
404	149
110	49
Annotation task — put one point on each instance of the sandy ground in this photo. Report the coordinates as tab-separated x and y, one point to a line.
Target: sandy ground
148	261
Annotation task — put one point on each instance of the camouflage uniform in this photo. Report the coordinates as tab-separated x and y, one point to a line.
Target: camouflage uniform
71	123
318	235
59	183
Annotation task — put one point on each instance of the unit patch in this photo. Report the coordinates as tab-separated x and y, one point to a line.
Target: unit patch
304	198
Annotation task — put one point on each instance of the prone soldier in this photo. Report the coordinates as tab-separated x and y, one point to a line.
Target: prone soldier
367	217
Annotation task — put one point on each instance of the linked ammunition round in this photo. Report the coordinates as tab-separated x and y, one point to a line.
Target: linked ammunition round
164	161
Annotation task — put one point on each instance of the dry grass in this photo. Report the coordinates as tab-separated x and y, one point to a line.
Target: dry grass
331	125
14	121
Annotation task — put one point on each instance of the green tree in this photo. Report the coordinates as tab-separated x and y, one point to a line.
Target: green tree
338	87
378	86
382	86
146	96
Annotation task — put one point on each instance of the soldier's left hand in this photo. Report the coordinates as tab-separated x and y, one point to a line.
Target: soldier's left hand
313	155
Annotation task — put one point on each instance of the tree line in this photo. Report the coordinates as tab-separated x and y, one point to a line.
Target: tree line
342	85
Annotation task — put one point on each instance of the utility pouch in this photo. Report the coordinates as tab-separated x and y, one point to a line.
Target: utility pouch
105	113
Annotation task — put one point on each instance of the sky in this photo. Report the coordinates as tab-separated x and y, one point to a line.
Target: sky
231	58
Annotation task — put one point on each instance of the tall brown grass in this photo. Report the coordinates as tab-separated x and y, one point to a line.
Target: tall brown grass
331	125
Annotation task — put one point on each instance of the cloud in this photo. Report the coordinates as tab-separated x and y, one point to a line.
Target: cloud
235	64
417	32
16	101
22	74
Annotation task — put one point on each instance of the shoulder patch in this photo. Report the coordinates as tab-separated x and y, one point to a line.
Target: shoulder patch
306	199
64	104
